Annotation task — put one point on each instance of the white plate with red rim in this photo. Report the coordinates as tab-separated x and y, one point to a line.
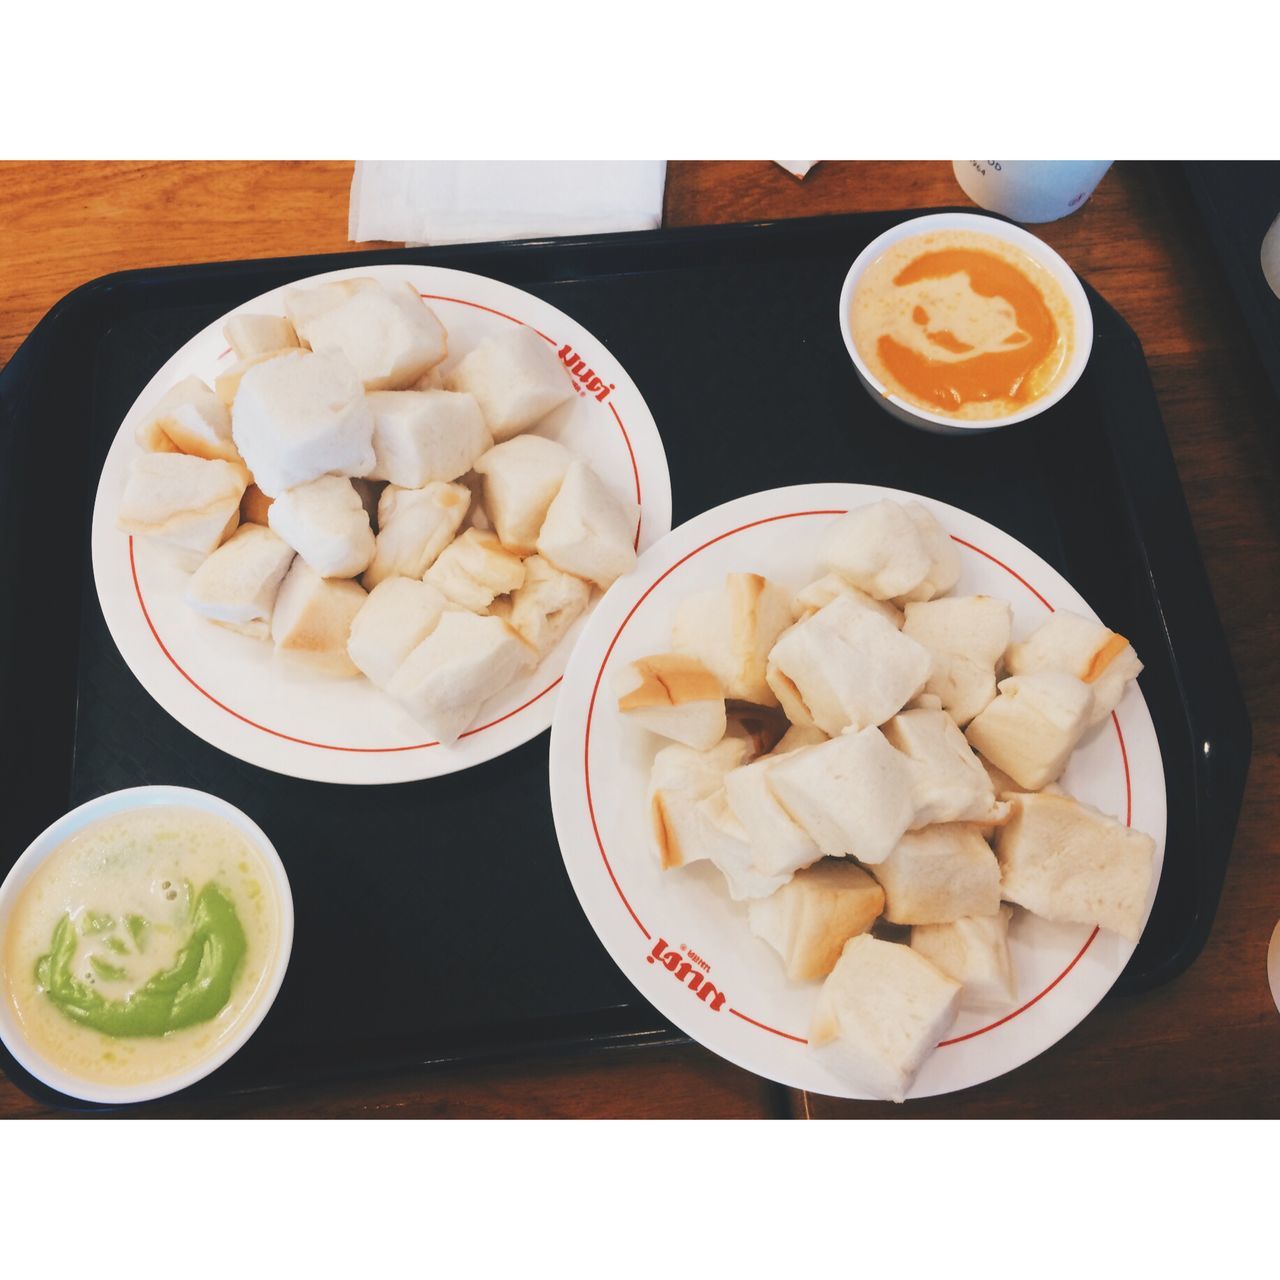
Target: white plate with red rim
233	691
671	932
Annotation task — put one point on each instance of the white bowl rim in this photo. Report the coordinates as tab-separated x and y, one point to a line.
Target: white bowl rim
1052	261
50	839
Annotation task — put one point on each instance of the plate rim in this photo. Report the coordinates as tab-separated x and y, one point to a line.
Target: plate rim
658	562
140	645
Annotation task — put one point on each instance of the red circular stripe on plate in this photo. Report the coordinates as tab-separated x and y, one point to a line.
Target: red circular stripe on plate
418	746
586	755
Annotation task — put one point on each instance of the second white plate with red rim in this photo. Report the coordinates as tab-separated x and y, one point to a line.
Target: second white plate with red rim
233	692
599	775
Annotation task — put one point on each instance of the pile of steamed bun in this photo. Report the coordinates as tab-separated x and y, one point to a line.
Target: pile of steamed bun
914	784
335	494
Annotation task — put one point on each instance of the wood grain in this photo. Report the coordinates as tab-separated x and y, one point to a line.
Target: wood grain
1208	1044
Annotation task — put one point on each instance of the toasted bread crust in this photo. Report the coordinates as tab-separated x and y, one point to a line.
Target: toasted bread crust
670	680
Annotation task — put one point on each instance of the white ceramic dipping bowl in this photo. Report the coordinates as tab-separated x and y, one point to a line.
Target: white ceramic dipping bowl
1082	342
52	838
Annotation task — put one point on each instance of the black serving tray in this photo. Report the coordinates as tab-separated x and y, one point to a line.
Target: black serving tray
1239	200
435	922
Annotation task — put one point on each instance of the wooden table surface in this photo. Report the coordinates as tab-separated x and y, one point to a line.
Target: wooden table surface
1208	1044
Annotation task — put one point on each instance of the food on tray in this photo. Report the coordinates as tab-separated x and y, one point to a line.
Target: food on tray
853	795
414	527
674	696
474	569
588	532
1082	648
189	503
325	522
388	335
300	416
680	780
517	378
238	584
939	874
1033	726
845	667
1066	861
873	804
141	944
251	335
962	323
463	662
545	605
396	617
521	479
420	436
809	919
973	950
312	618
892	551
348	451
880	1013
189	419
731	630
967	637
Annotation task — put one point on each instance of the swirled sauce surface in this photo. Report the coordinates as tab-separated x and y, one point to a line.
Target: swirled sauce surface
962	324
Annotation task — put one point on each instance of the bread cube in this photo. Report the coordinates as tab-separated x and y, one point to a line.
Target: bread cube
731	852
675	696
185	502
1033	726
237	585
301	416
731	629
939	874
432	380
414	527
974	951
397	616
450	675
227	383
313	616
845	667
251	335
950	784
879	1015
853	795
1085	649
892	551
967	636
190	419
779	845
546	604
420	436
517	377
475	568
521	479
325	522
589	531
388	334
808	600
808	921
1066	861
680	779
303	305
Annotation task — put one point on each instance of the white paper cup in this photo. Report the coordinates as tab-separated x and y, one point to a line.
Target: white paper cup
54	837
1030	190
1082	338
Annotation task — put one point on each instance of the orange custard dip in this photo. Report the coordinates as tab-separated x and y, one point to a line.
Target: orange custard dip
962	324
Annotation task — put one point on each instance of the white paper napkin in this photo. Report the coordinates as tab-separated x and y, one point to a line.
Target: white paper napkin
798	167
451	201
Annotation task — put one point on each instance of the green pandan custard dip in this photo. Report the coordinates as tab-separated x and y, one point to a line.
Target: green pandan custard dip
141	943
